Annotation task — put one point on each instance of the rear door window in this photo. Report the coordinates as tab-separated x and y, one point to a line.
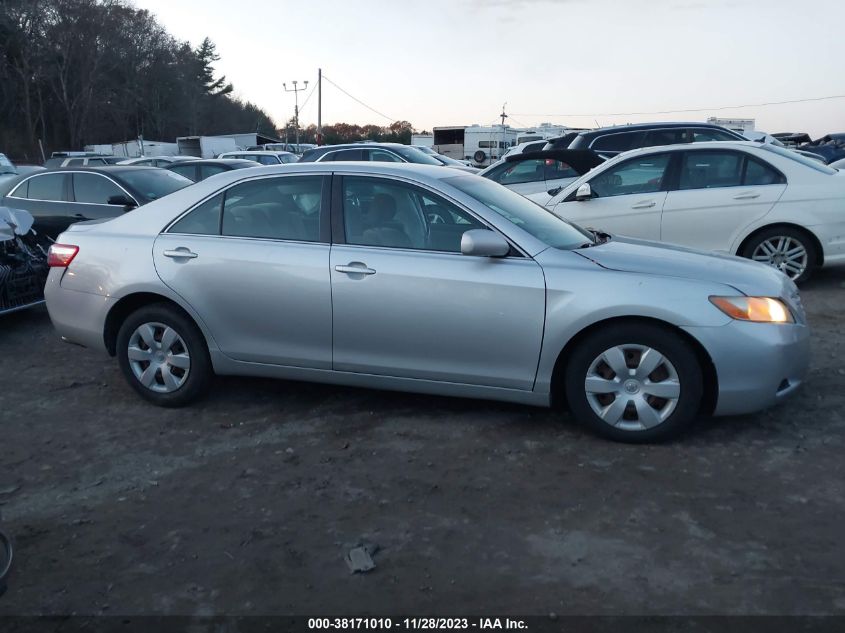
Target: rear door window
711	169
286	208
47	187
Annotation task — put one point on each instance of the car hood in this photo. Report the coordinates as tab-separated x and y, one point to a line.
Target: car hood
656	258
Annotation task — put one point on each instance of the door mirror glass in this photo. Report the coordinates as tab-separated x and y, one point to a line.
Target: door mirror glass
484	243
585	192
122	201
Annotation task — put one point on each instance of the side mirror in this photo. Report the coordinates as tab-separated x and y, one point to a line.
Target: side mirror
584	192
122	201
484	243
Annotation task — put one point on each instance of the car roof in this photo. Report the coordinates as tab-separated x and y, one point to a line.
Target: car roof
215	161
704	145
104	169
358	145
388	169
270	152
647	126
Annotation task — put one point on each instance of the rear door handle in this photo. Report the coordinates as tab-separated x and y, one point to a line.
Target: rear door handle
647	204
180	253
355	270
748	195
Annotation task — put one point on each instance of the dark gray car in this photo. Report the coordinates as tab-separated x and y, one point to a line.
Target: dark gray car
57	198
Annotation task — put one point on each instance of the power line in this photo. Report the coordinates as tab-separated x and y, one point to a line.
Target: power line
733	107
304	103
391	119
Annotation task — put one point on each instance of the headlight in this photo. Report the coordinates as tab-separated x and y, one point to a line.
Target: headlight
757	309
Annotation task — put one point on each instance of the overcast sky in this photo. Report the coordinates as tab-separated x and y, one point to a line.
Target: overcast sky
455	62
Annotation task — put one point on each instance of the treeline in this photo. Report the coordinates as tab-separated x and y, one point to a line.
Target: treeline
397	132
79	72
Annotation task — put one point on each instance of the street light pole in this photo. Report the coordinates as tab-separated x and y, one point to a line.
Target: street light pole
295	92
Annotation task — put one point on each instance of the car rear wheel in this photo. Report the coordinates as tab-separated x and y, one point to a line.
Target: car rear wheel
634	383
789	250
163	356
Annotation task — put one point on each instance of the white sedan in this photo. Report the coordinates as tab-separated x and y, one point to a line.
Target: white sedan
755	200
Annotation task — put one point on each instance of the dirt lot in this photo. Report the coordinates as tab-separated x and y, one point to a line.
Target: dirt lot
246	503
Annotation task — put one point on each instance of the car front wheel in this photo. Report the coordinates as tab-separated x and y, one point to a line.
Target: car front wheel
163	356
634	383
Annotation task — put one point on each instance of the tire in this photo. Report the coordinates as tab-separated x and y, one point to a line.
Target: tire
774	245
643	416
170	376
479	157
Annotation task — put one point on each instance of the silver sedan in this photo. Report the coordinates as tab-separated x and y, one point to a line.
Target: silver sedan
422	279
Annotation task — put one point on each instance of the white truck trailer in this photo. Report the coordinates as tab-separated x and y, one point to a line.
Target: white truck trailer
206	146
480	144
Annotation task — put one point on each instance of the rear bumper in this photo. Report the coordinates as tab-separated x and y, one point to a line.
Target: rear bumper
79	317
757	364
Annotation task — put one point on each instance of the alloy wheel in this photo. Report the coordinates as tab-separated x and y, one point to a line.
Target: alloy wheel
158	357
632	387
784	253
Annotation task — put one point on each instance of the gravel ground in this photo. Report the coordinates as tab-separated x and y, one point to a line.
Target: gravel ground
247	502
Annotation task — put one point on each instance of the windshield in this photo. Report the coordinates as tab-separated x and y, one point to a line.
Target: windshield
527	215
424	150
155	183
798	158
413	155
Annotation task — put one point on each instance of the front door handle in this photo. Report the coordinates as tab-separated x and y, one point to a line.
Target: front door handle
352	269
180	253
748	195
647	204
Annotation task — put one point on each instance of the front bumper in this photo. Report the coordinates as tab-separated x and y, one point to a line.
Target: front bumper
79	317
757	364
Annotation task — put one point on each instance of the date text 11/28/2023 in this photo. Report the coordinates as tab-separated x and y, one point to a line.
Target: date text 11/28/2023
430	624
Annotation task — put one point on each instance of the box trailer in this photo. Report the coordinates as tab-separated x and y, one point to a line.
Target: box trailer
482	145
205	146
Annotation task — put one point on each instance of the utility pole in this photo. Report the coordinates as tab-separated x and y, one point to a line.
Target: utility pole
504	116
319	138
295	92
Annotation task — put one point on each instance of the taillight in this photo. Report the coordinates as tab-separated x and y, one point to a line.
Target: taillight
61	255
